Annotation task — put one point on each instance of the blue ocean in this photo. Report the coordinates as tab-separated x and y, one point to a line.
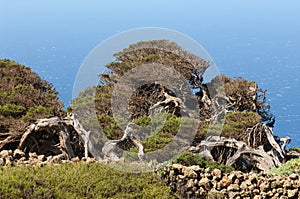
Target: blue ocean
257	40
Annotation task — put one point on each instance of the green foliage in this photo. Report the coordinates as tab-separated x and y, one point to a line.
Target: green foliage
24	98
237	122
250	97
142	121
172	124
83	102
234	126
79	180
161	136
156	141
110	127
290	167
150	57
23	88
12	110
37	112
189	159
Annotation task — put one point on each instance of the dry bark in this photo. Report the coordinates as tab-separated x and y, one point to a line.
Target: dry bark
52	136
42	137
85	136
112	148
262	152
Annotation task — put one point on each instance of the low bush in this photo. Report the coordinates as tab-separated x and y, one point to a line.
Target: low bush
290	167
12	110
79	180
189	159
37	112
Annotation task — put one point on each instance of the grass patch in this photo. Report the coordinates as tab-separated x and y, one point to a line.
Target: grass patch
79	180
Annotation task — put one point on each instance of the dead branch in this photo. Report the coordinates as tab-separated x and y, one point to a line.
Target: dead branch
111	148
45	130
262	135
85	136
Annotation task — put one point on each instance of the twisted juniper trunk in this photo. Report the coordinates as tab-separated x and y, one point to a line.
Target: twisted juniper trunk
262	151
112	147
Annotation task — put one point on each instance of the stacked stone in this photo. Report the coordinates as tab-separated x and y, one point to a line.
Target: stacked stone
196	182
19	158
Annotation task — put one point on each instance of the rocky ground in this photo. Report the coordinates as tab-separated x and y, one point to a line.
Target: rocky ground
196	182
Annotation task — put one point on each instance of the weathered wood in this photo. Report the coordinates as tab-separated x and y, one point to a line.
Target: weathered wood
262	150
7	140
292	155
284	142
166	103
86	144
85	136
112	147
261	134
56	129
65	145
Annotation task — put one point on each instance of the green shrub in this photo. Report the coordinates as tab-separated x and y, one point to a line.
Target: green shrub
149	57
156	141
161	135
22	88
234	126
12	110
24	98
79	180
189	159
142	121
237	122
110	127
37	112
290	167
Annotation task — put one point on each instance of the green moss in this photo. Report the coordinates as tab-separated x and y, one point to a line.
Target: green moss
79	180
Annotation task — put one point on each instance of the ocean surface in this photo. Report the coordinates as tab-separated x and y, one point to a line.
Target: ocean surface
256	40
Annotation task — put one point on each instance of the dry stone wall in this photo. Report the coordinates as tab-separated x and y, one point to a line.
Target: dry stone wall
196	182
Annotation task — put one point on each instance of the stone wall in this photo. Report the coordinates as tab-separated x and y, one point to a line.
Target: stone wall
19	158
196	182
